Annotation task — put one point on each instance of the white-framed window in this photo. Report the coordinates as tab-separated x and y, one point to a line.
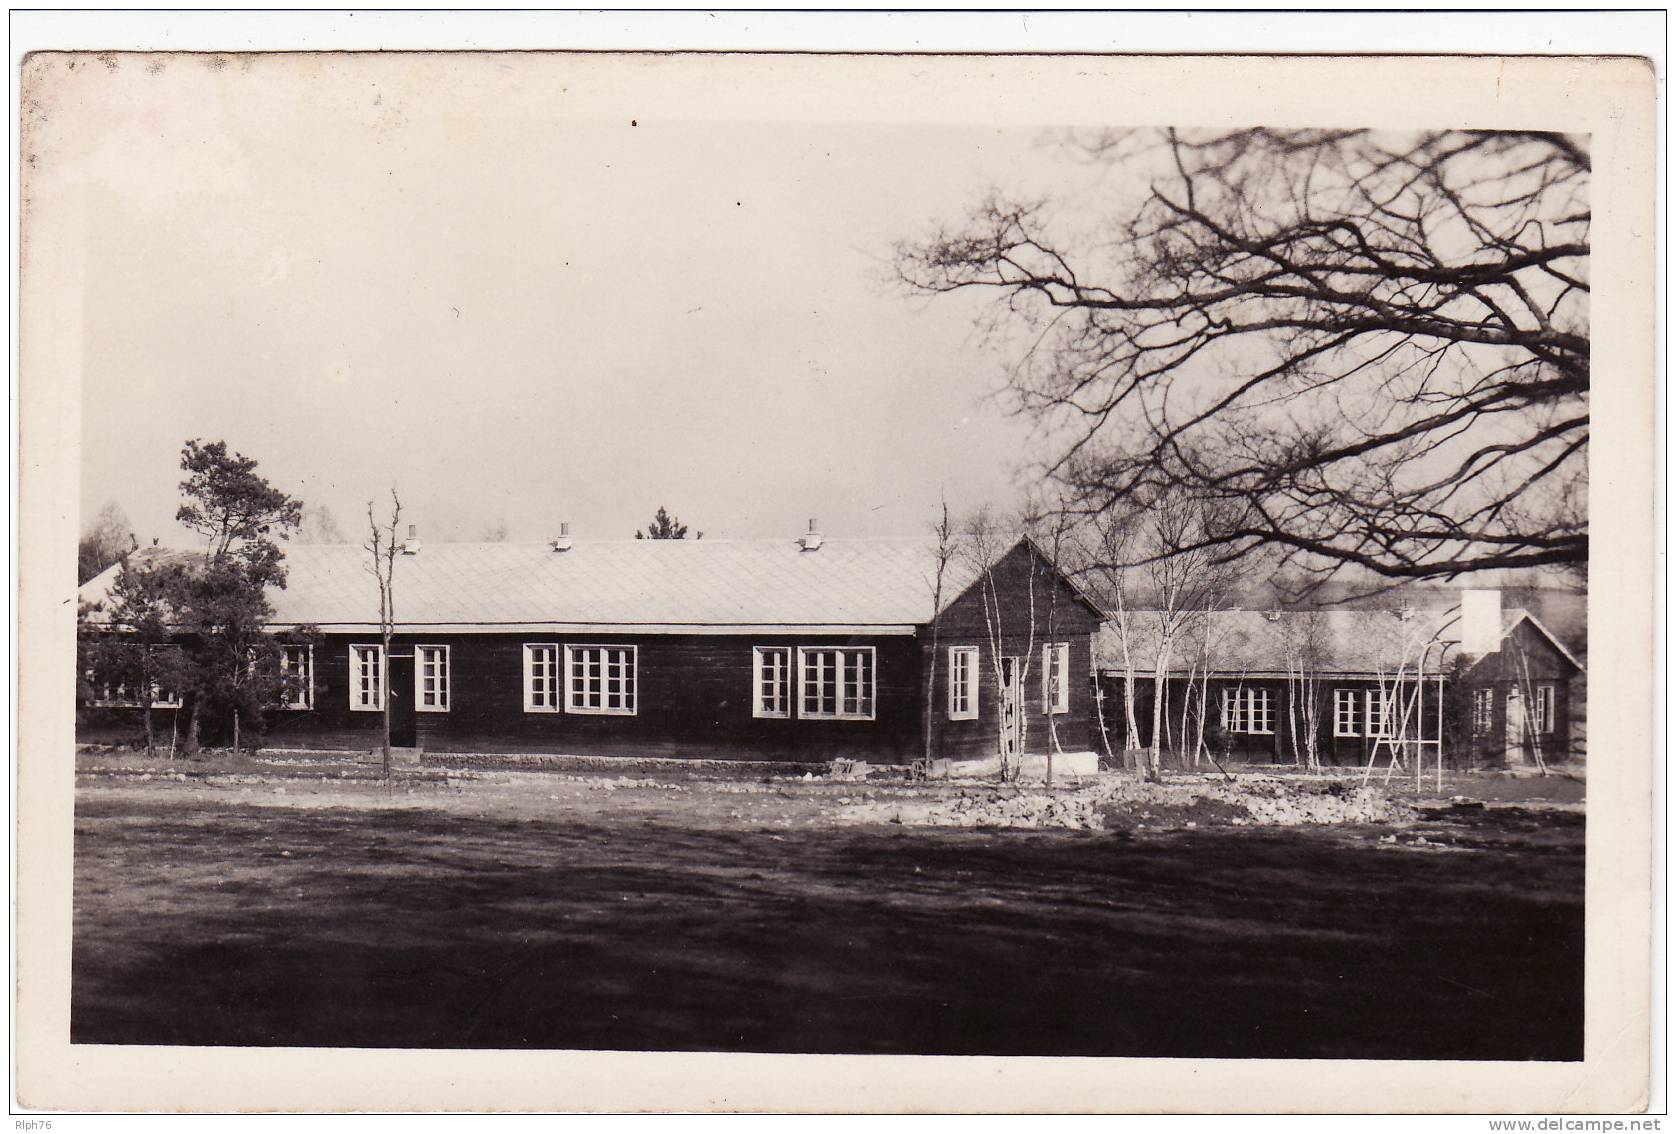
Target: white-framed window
1545	709
119	695
1483	711
1248	709
430	679
835	682
963	683
1347	716
1056	677
1378	712
107	695
296	668
771	681
541	677
600	679
366	678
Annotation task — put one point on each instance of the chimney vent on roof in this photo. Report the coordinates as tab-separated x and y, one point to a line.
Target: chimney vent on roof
811	540
562	543
411	547
1480	622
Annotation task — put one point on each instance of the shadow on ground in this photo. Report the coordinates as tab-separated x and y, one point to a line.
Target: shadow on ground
244	925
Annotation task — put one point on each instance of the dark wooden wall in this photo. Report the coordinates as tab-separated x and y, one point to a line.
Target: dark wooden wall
963	624
1256	748
693	698
1524	650
695	695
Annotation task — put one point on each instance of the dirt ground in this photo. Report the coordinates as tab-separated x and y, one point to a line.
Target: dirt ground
297	901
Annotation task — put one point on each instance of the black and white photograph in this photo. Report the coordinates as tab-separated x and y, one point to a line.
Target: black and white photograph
559	573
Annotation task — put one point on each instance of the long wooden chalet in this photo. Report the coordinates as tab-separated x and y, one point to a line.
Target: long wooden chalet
800	649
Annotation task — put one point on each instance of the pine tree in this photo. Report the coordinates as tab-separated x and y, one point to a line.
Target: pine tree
221	603
665	526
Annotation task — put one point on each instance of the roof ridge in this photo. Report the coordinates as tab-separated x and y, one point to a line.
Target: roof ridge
1308	610
865	581
613	540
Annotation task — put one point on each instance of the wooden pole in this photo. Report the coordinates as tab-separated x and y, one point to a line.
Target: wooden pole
1440	724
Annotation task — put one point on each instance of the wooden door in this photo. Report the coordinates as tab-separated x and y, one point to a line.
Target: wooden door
1516	752
403	723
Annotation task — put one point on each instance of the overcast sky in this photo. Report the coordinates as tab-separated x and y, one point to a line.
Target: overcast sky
365	277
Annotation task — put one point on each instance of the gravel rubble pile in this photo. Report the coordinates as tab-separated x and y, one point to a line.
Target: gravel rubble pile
1121	802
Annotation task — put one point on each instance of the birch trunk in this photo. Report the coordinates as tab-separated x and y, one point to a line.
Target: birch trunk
1160	687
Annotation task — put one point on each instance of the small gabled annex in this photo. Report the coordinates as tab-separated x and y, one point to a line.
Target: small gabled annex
1518	693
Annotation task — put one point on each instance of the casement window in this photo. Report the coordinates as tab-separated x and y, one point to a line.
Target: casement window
1544	706
1248	710
296	670
541	678
366	678
1347	716
836	683
771	681
963	683
1378	712
430	679
1483	711
1056	677
120	695
600	679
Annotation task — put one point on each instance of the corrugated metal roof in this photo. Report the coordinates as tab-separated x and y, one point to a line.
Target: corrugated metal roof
1255	642
673	584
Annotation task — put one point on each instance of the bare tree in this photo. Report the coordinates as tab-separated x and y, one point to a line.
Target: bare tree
1400	671
1098	560
1375	344
1050	529
1187	580
944	555
1528	730
1196	704
986	540
1198	671
105	541
319	526
383	546
1304	644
